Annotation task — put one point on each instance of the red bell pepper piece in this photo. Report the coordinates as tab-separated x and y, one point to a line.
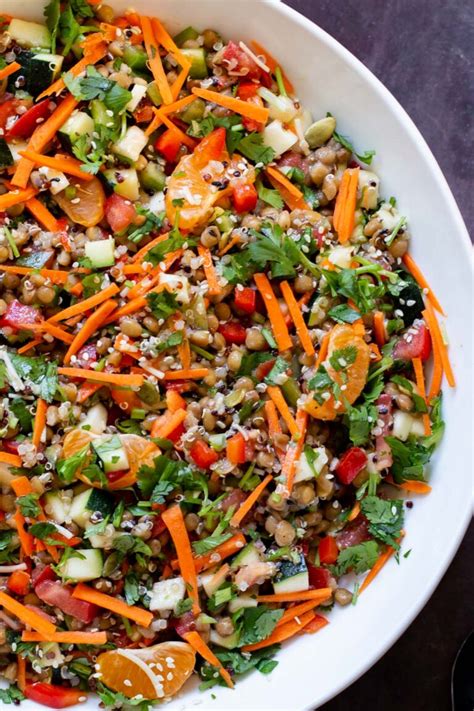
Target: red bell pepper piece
56	697
328	550
27	122
318	577
236	449
245	299
39	575
168	144
19	582
202	455
233	332
54	593
244	197
415	343
119	212
262	370
350	464
18	314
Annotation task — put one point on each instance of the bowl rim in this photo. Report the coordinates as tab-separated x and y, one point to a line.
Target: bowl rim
462	235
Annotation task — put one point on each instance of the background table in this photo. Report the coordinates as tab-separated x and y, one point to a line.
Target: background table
422	51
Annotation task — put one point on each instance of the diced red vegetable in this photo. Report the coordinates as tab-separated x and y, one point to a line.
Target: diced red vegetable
262	370
18	314
328	550
236	449
86	356
202	455
119	212
415	343
56	697
168	144
244	197
39	575
233	499
318	577
247	90
245	299
233	332
384	457
8	108
27	122
19	582
54	593
357	531
211	147
185	623
350	464
238	62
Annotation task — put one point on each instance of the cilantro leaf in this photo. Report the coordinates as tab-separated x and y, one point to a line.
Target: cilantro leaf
42	530
365	157
42	376
175	241
52	12
131	588
343	314
162	304
152	222
67	468
271	197
96	86
92	284
22	414
81	8
258	623
253	148
250	361
342	358
357	287
175	473
12	695
238	664
385	518
28	505
115	699
5	539
175	339
279	368
93	152
357	558
207	544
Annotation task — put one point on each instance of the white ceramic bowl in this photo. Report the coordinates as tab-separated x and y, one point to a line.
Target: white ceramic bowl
327	77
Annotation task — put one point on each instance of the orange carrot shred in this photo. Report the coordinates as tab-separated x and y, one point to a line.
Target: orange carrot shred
323	350
13	459
196	641
277	396
132	381
39	422
295	611
190	374
210	271
174	520
279	634
174	401
293	452
142	617
27	542
283	180
224	550
169	109
244	108
355	511
293	202
15	197
82	306
154	60
98	638
274	427
183	137
377	567
280	331
297	316
64	164
91	325
416	273
141	254
379	328
165	425
42	214
420	382
27	616
318	596
9	70
21	672
252	499
438	343
344	211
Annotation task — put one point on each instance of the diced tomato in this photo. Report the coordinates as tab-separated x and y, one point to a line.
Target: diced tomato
19	582
54	593
238	62
233	332
244	197
295	160
203	455
415	343
119	212
262	370
113	477
245	299
56	697
350	464
247	90
27	122
185	623
176	434
328	550
168	144
86	356
318	577
233	500
212	147
38	575
8	108
159	526
18	315
355	532
236	449
11	446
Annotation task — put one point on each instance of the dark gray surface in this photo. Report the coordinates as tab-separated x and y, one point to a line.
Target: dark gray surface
422	50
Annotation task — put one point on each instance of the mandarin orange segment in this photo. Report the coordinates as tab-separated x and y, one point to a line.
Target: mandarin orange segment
87	206
156	672
342	337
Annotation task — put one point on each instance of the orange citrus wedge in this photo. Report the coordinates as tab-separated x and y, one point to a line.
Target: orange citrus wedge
156	672
87	205
342	337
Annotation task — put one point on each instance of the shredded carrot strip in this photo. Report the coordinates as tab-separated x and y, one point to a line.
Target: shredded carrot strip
174	520
27	542
55	275
169	109
50	328
183	137
9	69
27	616
252	499
226	549
66	637
174	401
42	214
294	203
355	511
142	617
379	328
132	381
184	353
41	137
86	390
95	54
28	346
274	427
91	325
283	180
22	487
189	374
297	316
13	459
415	487
244	108
141	254
233	242
154	60
277	396
196	641
376	355
131	268
82	306
318	596
323	350
314	625
21	672
165	425
40	421
416	273
177	85
168	43
15	197
272	64
420	382
295	611
438	343
144	285
63	164
293	452
375	570
344	211
275	315
279	634
210	271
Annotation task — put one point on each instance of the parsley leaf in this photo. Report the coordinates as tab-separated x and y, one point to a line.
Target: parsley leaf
344	141
52	12
175	473
25	419
92	284
357	558
280	367
238	664
271	197
258	623
207	544
352	285
131	588
42	376
162	304
12	695
81	8
96	86
253	148
93	152
67	468
28	505
42	530
343	314
250	361
175	241
152	222
385	518
342	358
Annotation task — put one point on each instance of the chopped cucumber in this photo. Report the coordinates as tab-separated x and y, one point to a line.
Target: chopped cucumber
6	157
96	419
135	58
102	115
197	57
90	500
88	567
154	94
56	179
152	177
278	138
210	583
38	71
279	107
138	92
292	577
229	642
101	252
166	594
124	182
247	556
58	506
131	145
240	602
29	34
311	465
193	112
78	124
189	33
110	451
